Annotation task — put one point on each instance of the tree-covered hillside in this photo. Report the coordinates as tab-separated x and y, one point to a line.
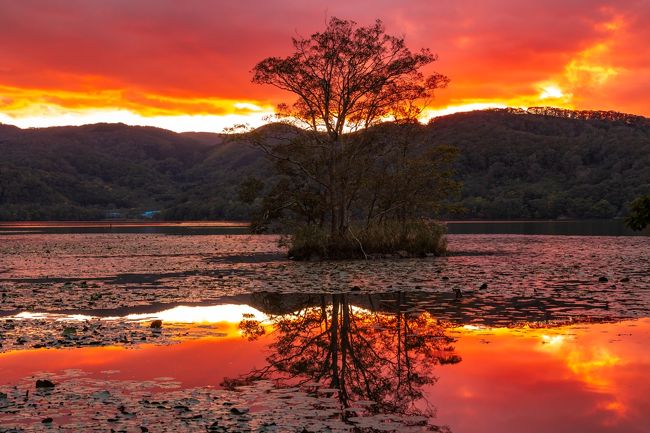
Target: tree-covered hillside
513	164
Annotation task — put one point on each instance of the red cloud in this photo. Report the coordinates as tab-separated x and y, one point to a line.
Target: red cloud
495	50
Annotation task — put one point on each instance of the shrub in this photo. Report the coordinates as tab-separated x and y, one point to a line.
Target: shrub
639	216
414	238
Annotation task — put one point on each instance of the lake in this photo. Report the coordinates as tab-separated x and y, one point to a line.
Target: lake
522	327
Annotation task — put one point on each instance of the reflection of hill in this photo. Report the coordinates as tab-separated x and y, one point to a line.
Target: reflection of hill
506	311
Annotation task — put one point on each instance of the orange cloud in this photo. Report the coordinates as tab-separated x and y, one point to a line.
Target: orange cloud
157	60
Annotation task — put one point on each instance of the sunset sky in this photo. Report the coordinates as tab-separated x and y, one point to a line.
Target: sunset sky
185	65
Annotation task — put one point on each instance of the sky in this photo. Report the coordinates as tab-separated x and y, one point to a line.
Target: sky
186	65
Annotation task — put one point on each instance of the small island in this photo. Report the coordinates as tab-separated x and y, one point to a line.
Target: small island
358	177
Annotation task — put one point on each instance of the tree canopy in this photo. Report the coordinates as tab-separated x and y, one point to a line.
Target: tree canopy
349	78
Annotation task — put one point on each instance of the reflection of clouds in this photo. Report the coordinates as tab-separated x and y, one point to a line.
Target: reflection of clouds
587	358
588	355
210	314
590	365
616	407
27	315
230	313
542	375
593	366
554	340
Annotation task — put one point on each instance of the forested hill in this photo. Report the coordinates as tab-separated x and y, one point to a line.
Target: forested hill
115	170
548	163
539	163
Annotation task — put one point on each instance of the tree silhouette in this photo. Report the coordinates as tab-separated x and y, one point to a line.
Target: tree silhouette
348	80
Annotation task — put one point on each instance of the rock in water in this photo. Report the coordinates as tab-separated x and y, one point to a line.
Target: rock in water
236	411
484	286
156	324
44	383
603	279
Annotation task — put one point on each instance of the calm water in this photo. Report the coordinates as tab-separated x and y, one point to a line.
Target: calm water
568	227
575	228
510	332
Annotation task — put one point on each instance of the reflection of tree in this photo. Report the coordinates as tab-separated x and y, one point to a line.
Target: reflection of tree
386	358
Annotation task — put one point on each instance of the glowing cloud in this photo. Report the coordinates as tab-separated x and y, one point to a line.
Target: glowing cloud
551	91
187	68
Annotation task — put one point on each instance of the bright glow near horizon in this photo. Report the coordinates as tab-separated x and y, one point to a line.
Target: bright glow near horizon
196	123
176	123
452	109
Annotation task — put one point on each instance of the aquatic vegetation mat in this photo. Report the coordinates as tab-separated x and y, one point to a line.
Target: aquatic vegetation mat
76	402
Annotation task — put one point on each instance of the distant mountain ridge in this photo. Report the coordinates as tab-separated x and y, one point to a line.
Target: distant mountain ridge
614	116
536	163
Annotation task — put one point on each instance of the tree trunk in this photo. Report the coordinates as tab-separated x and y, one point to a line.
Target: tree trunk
334	342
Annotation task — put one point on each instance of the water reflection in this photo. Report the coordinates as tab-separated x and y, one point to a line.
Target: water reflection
361	363
231	313
108	226
376	363
601	227
580	378
181	323
203	314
